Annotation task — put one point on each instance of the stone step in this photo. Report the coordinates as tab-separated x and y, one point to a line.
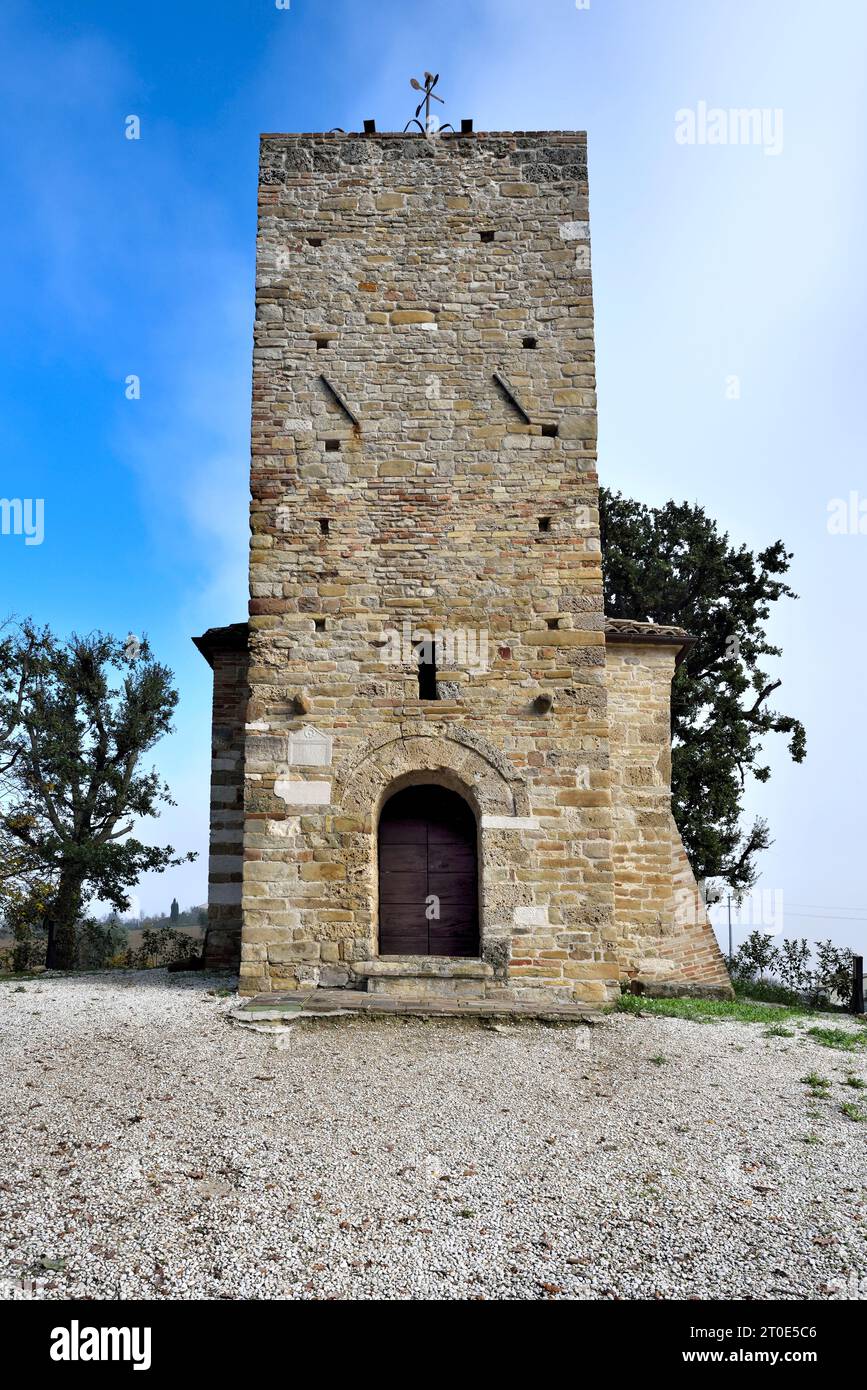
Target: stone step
273	1009
425	977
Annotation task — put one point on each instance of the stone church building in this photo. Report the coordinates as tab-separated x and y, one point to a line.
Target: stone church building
438	769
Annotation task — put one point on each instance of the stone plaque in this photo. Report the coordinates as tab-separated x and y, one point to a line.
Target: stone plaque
266	748
309	748
298	793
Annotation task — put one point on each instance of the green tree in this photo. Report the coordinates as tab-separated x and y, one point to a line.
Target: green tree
672	565
757	956
23	884
92	708
833	973
794	964
174	912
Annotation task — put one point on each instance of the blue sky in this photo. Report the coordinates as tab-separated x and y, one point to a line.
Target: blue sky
125	257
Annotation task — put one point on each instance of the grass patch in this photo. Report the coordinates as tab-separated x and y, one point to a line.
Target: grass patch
819	1085
856	1083
835	1037
817	1082
778	1032
852	1111
659	1060
710	1010
811	1139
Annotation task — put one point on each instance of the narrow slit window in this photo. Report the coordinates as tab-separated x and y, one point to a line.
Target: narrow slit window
544	523
531	342
427	671
324	525
332	446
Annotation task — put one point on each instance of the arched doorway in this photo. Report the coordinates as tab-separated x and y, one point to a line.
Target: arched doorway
428	875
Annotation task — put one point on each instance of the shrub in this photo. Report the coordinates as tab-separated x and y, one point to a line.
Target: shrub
833	973
98	943
793	964
757	956
161	947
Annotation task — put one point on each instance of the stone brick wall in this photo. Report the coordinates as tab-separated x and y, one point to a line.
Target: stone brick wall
663	932
415	460
225	649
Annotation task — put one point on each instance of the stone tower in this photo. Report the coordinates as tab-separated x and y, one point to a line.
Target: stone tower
444	771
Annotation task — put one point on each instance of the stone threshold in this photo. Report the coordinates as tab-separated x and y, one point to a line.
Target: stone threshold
424	968
286	1007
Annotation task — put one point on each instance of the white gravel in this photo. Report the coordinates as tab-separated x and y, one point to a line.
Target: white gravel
151	1148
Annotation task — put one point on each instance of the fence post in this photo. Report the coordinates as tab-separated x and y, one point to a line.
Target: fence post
857	1003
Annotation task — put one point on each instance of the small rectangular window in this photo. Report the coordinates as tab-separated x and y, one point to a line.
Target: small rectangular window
530	342
323	342
553	624
314	241
332	446
549	431
427	671
319	624
486	236
324	525
544	523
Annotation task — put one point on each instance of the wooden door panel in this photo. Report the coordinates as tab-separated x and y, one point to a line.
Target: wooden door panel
427	849
453	916
407	916
409	831
467	945
403	888
392	943
451	859
456	833
395	859
456	887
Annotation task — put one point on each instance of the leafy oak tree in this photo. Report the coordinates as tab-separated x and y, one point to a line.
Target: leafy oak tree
24	887
90	709
672	565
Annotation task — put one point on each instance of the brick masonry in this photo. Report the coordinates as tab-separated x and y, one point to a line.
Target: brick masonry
663	933
424	460
225	650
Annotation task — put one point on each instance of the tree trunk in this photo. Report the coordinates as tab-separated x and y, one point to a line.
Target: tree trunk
65	912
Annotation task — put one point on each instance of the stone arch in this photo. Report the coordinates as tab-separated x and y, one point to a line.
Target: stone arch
461	760
415	754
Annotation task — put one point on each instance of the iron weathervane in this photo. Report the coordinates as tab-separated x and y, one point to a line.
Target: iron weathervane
430	81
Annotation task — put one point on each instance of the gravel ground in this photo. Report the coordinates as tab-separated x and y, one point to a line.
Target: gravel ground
151	1148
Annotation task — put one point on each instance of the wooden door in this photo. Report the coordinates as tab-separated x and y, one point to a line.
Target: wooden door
428	875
